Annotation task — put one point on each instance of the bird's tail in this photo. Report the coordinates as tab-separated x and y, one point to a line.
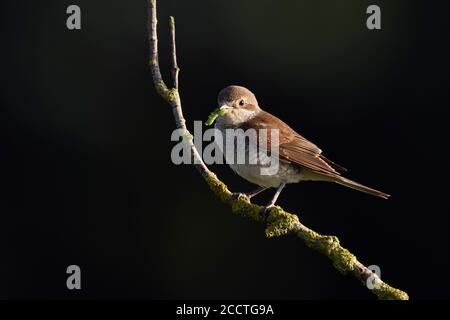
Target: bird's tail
357	186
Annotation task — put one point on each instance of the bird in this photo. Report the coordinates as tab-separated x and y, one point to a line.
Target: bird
299	159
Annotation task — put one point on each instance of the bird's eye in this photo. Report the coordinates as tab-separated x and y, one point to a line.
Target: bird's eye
241	103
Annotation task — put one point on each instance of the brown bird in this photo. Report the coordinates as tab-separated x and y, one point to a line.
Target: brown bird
299	159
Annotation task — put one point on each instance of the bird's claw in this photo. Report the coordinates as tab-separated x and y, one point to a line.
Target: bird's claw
236	195
265	212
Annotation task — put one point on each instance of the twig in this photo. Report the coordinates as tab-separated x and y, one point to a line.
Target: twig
175	69
279	222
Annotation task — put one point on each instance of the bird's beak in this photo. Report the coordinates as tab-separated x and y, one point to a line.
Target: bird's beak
224	108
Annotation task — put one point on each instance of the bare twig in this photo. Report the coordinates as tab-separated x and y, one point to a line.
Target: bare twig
280	222
175	69
171	96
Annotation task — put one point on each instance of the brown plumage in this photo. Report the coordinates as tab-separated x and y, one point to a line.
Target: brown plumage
297	150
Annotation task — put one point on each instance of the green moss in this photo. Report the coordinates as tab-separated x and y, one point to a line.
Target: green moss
280	222
218	187
343	260
243	207
169	95
162	89
187	135
386	292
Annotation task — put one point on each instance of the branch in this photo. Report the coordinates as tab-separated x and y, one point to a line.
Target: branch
279	221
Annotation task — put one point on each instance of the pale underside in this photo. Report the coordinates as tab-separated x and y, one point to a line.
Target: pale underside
256	160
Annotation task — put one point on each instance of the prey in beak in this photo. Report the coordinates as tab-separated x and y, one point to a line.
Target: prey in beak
217	113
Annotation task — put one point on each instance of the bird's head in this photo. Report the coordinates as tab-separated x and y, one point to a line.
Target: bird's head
239	105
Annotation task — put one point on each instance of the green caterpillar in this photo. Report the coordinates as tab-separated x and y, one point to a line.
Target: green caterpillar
215	114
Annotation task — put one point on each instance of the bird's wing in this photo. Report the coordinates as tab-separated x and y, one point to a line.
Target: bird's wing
293	148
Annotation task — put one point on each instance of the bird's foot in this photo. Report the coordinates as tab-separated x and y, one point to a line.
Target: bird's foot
248	195
265	212
237	195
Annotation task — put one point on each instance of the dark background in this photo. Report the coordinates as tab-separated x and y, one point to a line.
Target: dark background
85	148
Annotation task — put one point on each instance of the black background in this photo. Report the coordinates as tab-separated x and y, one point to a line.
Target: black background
85	148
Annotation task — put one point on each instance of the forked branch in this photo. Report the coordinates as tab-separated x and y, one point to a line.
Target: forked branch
279	222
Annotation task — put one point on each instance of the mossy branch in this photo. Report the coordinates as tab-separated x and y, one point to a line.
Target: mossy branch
279	221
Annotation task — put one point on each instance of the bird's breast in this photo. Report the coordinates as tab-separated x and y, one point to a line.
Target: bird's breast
248	162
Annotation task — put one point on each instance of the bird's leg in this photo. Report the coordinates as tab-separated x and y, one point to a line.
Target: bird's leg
256	192
248	195
265	210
